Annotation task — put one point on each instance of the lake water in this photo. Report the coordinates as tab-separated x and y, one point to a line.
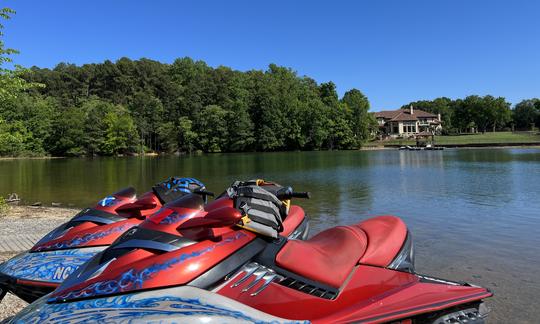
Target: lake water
474	214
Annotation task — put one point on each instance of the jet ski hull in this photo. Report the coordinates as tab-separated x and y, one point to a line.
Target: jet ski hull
31	275
173	305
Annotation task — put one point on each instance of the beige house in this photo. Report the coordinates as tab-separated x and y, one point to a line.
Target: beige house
407	122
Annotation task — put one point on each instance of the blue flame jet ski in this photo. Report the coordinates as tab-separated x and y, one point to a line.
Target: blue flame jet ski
50	261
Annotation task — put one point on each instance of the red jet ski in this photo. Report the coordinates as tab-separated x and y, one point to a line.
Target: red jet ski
224	263
39	271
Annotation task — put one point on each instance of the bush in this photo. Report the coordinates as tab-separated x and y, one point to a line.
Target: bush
3	206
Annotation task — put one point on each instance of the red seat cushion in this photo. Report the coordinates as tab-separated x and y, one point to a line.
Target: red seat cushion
293	219
386	235
327	257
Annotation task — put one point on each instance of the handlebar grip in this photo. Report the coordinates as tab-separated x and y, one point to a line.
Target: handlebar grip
204	192
305	195
287	193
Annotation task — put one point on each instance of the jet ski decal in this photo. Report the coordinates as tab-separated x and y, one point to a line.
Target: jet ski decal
108	201
134	279
173	218
54	266
81	240
146	307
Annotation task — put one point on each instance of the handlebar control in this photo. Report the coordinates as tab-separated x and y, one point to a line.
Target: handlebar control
287	193
305	195
203	192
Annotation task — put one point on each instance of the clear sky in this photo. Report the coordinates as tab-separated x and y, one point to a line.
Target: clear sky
393	51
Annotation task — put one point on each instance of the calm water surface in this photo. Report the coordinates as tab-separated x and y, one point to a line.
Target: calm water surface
474	214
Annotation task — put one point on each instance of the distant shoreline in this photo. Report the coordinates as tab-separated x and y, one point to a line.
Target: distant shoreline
475	145
5	158
364	148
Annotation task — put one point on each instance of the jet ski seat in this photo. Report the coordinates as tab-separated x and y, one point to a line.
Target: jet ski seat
291	221
330	256
386	235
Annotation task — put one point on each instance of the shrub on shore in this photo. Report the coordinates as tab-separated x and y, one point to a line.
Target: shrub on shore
4	207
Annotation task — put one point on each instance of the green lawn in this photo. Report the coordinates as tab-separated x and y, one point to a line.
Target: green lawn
487	138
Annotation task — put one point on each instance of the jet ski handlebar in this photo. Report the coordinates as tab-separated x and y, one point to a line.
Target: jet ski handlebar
288	193
203	192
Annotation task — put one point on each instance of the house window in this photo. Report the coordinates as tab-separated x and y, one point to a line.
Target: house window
409	128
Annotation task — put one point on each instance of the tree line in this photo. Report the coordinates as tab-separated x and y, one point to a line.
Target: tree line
487	113
132	106
129	106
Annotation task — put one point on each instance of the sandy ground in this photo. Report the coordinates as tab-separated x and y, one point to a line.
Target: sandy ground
22	219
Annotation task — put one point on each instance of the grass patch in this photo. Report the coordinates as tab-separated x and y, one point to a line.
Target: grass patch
487	138
3	206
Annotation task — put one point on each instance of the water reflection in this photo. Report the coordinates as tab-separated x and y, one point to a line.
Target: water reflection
476	205
450	193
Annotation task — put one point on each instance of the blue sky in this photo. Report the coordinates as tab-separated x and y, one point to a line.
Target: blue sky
393	51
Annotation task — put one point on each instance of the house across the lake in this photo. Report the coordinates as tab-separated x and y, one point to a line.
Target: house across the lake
407	122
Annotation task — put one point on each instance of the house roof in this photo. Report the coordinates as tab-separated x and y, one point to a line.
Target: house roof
387	114
403	114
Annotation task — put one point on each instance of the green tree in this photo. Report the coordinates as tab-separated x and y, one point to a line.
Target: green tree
121	133
147	112
186	136
526	113
340	132
36	114
315	124
68	137
168	134
11	83
188	105
479	110
501	113
95	128
211	126
13	137
358	104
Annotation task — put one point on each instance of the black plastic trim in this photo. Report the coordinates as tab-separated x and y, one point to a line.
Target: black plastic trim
190	201
86	215
128	192
301	232
406	254
28	293
121	246
110	217
232	263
